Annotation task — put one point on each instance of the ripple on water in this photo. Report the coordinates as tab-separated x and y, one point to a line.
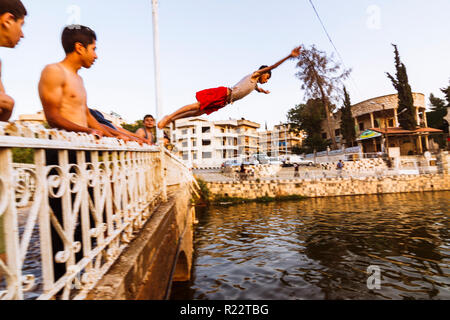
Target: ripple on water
321	249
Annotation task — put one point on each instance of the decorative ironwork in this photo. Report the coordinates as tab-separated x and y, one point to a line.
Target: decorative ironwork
82	201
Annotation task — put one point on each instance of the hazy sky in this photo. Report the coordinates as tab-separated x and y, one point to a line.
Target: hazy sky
210	43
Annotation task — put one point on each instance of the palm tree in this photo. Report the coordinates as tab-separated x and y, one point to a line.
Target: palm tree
322	79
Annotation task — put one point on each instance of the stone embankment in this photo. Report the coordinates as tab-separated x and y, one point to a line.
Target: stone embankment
330	187
350	183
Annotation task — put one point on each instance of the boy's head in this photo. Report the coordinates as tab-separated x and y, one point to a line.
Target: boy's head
81	41
149	121
265	76
12	18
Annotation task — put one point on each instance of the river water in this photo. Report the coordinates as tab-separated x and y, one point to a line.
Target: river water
322	249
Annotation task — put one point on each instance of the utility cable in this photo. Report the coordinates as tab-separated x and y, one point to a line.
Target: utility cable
332	43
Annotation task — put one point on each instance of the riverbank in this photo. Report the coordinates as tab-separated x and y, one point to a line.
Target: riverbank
327	187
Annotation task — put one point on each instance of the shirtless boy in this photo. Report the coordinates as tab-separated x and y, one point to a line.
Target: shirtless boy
62	90
12	18
148	131
212	100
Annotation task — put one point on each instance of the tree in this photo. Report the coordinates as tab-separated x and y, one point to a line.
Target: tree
435	117
308	118
347	121
134	127
321	78
406	110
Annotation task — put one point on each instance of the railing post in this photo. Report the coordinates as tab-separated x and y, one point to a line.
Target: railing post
11	228
163	171
44	221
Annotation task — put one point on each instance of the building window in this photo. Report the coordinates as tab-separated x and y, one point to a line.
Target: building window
193	131
184	144
206	142
194	155
184	131
377	123
206	129
361	126
185	156
206	155
194	142
391	123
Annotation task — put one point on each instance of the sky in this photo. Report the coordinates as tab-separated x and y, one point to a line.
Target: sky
211	43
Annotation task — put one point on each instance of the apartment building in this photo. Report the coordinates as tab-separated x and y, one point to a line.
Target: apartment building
202	143
279	141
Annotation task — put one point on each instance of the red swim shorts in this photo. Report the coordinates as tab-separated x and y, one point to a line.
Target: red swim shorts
212	100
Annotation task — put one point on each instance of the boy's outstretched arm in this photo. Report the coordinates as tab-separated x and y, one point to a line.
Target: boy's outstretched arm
295	53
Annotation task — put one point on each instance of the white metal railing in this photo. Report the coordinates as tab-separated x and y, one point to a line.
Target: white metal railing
67	217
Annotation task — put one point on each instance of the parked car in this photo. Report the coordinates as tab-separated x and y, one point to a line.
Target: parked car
291	160
231	163
262	158
275	161
250	162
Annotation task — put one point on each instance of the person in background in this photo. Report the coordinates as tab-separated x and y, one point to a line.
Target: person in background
12	18
339	167
296	170
148	132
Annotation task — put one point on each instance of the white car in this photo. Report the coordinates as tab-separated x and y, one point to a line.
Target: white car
275	161
300	161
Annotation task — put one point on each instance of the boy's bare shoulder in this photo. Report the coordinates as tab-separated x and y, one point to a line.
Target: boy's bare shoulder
54	67
54	72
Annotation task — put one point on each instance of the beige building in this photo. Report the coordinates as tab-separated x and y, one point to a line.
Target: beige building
37	118
377	126
279	141
201	143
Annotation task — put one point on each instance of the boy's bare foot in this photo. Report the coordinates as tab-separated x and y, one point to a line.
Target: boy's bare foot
162	124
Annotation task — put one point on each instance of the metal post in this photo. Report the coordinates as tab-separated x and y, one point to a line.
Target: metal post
159	111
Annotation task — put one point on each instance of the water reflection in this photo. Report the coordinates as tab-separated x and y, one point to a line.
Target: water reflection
321	248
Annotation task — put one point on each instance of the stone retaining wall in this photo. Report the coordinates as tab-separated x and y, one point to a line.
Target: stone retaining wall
331	187
359	165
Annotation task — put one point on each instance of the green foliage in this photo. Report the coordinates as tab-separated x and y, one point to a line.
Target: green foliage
322	79
347	121
406	111
134	127
435	118
308	118
23	155
205	193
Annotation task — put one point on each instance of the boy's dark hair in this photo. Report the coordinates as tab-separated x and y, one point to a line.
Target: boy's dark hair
77	33
269	72
148	116
15	7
